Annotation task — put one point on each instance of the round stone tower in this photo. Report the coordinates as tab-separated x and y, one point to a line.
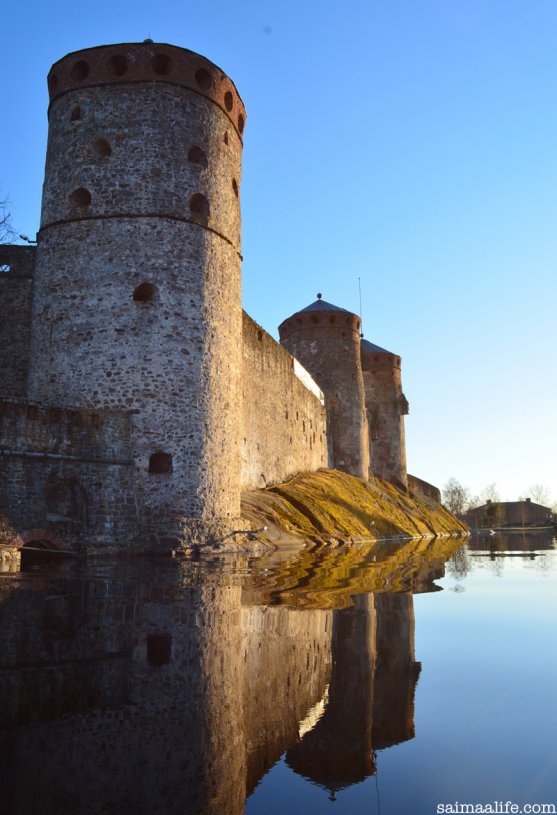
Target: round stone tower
326	340
386	406
137	301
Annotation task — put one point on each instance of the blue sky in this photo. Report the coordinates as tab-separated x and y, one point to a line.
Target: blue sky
409	143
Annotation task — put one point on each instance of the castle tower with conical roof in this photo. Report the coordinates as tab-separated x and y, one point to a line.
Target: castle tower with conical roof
326	340
386	407
137	300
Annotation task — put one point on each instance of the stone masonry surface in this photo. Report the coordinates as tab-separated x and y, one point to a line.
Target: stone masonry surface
386	406
327	343
16	279
284	423
137	300
66	477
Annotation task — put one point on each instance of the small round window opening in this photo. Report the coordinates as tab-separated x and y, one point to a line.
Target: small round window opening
4	265
144	293
80	197
160	463
80	71
203	79
117	65
102	148
197	156
228	101
161	64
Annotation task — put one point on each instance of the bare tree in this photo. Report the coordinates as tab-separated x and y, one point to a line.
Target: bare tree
7	232
459	564
473	502
540	494
455	496
490	493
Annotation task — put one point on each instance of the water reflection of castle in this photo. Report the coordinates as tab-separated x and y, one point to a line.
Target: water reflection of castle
172	695
371	693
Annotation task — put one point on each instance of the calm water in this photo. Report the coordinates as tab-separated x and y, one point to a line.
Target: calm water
365	680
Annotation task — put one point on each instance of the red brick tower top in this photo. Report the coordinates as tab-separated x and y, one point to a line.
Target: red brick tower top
147	62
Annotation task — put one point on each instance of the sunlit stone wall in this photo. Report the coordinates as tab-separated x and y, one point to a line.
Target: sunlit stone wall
137	299
284	422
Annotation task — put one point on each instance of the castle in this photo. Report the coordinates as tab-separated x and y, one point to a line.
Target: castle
138	400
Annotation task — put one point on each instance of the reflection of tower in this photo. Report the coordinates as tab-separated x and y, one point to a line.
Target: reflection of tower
396	672
326	340
371	696
159	727
188	656
386	406
137	301
161	692
337	752
287	663
47	666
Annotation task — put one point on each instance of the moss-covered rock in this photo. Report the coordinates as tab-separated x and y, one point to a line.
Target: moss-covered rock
330	507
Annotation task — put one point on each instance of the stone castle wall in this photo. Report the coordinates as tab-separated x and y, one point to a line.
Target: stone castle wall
86	456
423	488
66	477
284	422
386	406
16	289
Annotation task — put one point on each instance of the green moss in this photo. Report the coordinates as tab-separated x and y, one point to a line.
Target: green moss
329	506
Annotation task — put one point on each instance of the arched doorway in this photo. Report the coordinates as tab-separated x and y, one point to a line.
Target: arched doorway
38	546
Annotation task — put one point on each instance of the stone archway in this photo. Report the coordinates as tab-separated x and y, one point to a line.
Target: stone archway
49	540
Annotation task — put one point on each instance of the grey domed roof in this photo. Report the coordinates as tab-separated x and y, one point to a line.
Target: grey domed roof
370	348
319	306
322	305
